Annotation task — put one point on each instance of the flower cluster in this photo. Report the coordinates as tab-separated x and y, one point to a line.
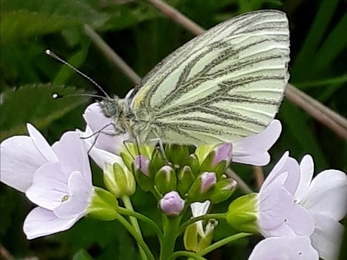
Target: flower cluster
298	215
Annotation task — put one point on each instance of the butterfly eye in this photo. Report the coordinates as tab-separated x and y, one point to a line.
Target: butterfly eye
109	107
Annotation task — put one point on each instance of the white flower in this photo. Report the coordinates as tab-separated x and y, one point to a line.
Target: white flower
278	214
294	208
325	198
58	179
284	248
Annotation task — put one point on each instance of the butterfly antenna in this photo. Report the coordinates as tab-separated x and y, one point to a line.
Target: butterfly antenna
53	55
57	95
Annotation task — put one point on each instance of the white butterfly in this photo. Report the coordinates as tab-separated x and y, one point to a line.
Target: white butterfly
223	85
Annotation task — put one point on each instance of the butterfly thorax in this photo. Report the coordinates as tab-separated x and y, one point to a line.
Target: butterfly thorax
136	123
118	110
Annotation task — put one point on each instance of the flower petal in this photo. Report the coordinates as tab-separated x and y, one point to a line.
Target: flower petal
284	248
327	237
254	149
327	194
306	173
41	222
200	209
20	158
41	144
80	191
279	215
285	165
49	186
73	155
96	121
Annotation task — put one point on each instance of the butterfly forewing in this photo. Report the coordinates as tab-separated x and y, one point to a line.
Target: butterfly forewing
223	85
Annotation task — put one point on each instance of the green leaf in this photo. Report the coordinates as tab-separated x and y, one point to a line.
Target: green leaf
82	255
34	104
332	47
77	10
307	53
21	25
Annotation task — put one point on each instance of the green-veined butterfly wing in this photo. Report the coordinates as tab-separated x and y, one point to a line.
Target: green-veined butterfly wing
223	85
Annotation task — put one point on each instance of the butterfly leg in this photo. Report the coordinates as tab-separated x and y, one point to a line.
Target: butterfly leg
97	133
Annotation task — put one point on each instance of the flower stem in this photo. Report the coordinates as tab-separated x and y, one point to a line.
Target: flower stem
134	223
223	242
145	219
191	255
167	244
144	250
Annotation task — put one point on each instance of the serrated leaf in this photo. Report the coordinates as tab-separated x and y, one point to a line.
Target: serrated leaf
34	104
78	10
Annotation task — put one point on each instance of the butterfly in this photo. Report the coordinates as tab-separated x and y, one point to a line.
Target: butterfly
223	85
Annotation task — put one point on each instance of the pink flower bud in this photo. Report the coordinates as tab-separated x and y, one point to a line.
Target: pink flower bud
171	204
141	163
208	179
223	153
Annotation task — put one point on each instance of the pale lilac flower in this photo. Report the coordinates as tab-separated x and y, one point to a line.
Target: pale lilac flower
284	248
58	179
171	204
324	198
278	214
99	134
62	189
200	209
21	156
254	149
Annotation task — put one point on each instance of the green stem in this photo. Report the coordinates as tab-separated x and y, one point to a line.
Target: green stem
134	223
145	219
167	244
143	246
223	242
187	254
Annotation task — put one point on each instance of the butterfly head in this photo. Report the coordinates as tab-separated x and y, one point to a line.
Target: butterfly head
109	107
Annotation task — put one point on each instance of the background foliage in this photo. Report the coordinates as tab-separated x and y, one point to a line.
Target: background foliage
142	36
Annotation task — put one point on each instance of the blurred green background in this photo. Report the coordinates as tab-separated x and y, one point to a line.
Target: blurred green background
143	36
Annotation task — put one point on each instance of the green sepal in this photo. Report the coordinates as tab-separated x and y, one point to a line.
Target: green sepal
207	165
242	213
119	180
145	182
190	238
195	194
176	154
157	161
165	179
193	162
103	205
223	190
185	180
202	151
128	160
